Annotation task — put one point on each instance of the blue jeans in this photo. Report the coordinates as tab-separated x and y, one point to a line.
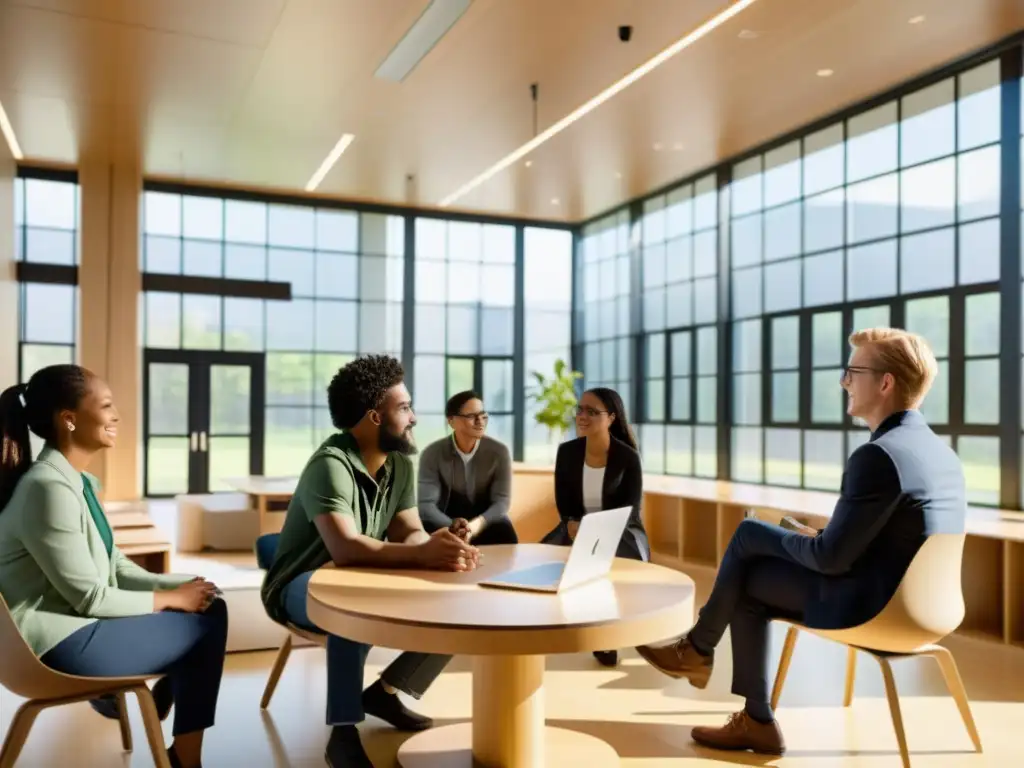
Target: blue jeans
187	647
411	673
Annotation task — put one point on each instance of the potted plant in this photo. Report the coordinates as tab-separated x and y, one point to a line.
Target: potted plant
556	398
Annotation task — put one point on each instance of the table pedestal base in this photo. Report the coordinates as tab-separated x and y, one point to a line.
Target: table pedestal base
508	728
451	747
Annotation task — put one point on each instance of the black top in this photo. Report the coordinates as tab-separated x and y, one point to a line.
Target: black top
901	487
623	486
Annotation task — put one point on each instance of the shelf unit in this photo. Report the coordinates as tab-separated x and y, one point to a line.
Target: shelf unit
690	521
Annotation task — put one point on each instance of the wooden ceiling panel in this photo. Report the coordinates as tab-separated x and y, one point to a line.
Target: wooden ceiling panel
239	22
255	93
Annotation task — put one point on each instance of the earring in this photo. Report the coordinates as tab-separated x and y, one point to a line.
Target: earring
71	427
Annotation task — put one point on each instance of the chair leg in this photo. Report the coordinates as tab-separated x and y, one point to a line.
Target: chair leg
151	721
784	659
894	708
851	674
126	729
18	733
955	685
275	672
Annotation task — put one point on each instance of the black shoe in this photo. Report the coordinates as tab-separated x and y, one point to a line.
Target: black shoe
607	658
172	757
345	749
162	697
389	708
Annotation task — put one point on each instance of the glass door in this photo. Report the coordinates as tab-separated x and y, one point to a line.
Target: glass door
492	378
203	419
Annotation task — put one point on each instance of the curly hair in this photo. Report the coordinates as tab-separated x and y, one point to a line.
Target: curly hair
360	386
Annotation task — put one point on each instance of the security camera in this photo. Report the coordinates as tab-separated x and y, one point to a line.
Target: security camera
625	33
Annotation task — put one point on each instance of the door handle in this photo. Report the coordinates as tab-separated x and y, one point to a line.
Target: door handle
202	442
194	442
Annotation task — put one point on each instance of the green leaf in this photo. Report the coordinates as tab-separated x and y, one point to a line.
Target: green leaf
556	397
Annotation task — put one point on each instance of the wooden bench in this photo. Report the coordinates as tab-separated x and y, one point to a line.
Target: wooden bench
689	522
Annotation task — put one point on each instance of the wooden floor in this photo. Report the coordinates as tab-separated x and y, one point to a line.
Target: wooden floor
643	715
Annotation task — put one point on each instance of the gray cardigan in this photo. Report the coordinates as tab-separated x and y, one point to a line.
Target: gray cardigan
443	492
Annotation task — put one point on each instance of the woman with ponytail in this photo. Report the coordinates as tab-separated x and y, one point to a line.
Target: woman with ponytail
81	605
599	470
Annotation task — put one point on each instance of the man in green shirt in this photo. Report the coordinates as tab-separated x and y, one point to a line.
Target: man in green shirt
355	504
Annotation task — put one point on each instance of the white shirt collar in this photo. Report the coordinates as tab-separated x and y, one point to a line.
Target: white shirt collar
466	457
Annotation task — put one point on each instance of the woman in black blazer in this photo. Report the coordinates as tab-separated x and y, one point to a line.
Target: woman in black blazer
599	470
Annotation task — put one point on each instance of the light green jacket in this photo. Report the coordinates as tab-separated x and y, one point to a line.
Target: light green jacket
55	574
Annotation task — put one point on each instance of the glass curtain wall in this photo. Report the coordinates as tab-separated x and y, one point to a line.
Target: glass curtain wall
548	312
603	310
46	220
679	358
345	272
465	322
891	214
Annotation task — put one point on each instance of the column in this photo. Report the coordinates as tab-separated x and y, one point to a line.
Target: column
109	285
8	278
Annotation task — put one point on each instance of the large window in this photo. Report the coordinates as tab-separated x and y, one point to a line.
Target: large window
889	217
548	310
345	272
680	335
46	216
465	322
603	284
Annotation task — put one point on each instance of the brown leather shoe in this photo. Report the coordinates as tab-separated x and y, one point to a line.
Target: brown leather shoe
680	660
742	732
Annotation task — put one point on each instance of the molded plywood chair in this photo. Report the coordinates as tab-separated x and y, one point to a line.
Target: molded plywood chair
266	547
25	675
927	606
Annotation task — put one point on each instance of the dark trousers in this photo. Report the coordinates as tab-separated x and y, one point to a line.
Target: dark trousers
186	647
411	673
756	582
628	546
498	532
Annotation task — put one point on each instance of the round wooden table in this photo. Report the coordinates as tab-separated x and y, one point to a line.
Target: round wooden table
509	632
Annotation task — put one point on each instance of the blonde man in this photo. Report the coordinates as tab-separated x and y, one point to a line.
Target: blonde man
902	486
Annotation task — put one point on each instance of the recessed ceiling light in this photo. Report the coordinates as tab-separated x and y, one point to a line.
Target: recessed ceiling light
529	163
620	85
677	147
329	161
8	131
916	20
825	73
657	146
748	34
554	201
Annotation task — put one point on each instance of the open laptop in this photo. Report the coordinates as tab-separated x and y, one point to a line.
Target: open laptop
590	558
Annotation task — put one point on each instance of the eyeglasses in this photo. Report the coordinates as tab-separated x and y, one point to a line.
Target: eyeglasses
481	417
586	410
847	372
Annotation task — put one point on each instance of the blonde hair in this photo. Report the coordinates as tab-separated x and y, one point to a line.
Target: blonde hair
904	355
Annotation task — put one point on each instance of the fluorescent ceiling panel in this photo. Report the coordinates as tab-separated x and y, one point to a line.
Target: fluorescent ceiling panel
8	131
436	19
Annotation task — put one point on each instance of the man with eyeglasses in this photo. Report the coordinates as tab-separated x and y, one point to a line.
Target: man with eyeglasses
902	486
465	479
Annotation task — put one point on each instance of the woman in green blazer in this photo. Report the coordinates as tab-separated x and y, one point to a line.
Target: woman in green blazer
81	605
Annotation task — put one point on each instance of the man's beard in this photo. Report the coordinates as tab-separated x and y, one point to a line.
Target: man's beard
400	442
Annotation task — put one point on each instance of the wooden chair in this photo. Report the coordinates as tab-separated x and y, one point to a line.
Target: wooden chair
266	547
23	674
927	606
